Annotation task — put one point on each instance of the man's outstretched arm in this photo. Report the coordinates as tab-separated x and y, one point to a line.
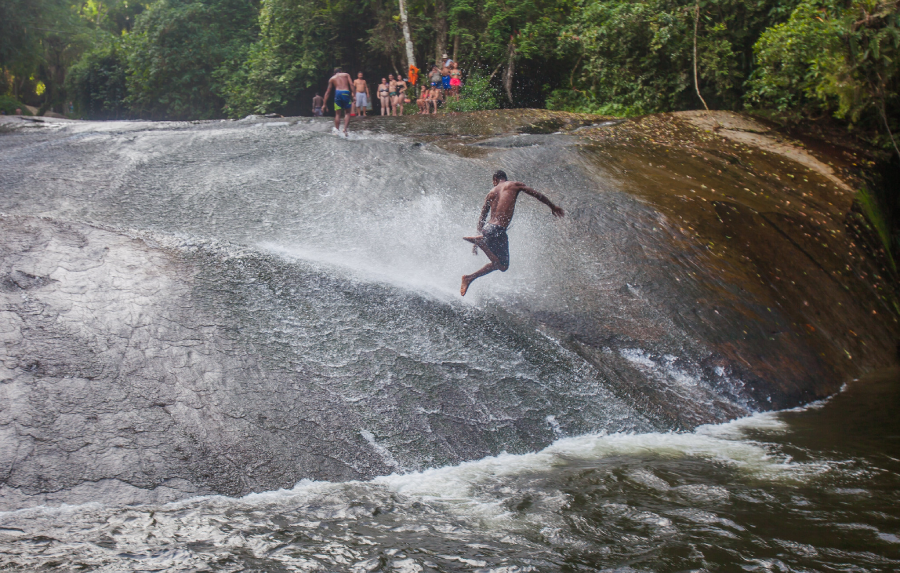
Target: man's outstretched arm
557	212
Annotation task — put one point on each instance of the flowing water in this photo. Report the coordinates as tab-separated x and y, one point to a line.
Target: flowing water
811	490
195	312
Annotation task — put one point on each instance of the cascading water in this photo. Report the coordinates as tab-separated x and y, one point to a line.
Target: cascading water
194	310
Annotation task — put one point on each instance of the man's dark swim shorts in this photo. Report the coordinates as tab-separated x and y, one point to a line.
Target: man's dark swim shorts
496	240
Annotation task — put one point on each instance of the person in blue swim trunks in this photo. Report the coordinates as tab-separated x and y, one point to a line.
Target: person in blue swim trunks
445	74
342	85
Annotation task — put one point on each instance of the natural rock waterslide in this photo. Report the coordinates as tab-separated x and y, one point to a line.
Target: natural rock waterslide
225	307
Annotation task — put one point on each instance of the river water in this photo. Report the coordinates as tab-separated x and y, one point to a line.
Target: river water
239	346
816	489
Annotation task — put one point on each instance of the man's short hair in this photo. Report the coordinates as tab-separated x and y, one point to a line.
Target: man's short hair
500	174
338	70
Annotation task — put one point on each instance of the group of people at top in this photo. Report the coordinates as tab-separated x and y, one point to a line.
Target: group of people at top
444	81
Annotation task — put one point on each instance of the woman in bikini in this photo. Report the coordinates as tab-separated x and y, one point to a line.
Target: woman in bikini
401	95
392	93
383	91
455	80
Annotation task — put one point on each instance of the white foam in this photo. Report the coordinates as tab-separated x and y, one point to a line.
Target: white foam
663	369
382	451
724	443
361	267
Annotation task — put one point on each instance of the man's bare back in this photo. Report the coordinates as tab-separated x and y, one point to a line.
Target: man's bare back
501	204
342	85
340	81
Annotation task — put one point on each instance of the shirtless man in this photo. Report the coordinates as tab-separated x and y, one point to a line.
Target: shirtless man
500	202
318	104
445	74
437	96
361	90
342	84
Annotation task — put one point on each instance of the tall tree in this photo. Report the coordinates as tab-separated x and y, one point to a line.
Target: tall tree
441	28
180	53
39	39
410	50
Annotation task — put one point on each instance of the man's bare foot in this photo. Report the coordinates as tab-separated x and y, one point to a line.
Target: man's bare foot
466	281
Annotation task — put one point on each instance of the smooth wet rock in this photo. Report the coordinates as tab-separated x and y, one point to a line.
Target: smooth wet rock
225	308
115	387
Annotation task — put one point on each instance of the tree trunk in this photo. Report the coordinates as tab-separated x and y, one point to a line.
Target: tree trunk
410	54
510	72
696	82
394	65
456	48
441	26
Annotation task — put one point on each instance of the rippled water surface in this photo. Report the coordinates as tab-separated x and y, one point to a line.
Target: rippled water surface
816	489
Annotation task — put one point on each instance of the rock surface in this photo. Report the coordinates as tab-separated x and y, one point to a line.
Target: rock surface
113	386
211	307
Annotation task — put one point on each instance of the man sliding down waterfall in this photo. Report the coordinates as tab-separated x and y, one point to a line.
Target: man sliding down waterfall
342	85
500	202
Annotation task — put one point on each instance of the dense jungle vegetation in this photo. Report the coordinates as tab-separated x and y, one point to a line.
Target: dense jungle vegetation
181	59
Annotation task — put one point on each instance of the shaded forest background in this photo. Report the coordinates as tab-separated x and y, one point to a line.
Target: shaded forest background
202	59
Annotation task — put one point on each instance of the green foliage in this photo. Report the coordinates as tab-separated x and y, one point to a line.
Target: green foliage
15	43
796	57
113	16
872	208
292	54
39	40
639	54
181	52
531	26
9	105
833	57
586	102
96	84
476	95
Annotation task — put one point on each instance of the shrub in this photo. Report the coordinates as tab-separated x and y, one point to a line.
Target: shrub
586	102
96	84
179	53
475	95
9	104
837	57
